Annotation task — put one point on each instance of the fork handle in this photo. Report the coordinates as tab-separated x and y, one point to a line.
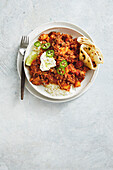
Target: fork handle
22	80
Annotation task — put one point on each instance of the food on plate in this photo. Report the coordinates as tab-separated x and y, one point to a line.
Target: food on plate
50	53
89	53
61	61
55	90
85	41
37	43
32	56
46	62
45	46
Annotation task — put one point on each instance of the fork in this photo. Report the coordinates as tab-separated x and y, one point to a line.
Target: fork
23	45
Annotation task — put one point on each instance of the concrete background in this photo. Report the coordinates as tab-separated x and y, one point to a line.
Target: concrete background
36	135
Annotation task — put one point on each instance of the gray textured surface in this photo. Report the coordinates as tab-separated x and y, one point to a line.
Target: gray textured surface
36	135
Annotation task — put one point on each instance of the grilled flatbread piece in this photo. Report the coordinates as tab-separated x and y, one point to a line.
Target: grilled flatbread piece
89	53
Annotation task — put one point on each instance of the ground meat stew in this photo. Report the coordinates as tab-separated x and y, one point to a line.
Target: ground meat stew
65	48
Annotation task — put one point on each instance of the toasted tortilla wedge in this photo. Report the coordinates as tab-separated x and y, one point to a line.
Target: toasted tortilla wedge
85	41
85	57
100	56
89	53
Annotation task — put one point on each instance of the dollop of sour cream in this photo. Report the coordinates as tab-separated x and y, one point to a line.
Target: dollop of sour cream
46	62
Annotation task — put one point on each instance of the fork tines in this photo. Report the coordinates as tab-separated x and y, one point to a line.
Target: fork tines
24	41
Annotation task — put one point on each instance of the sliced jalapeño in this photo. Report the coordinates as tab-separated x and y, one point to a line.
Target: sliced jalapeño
45	46
61	70
63	63
37	43
50	53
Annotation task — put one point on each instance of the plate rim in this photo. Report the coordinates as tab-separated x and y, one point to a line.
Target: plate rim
43	97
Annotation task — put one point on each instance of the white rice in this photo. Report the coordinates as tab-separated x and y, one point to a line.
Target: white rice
55	90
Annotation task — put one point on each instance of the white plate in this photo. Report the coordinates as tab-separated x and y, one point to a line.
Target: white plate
39	91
